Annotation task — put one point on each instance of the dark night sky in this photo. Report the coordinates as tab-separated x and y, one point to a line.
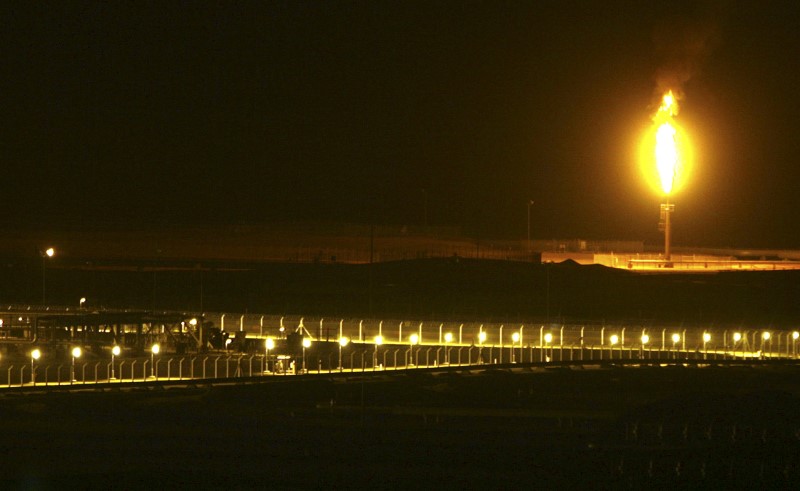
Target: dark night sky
139	112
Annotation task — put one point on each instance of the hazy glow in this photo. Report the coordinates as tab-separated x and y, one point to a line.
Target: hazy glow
737	336
36	354
343	341
706	337
765	335
307	342
115	351
379	340
156	348
76	352
269	343
548	338
515	337
645	339
676	337
448	337
614	339
482	336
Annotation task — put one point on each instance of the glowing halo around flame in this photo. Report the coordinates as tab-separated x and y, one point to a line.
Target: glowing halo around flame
665	154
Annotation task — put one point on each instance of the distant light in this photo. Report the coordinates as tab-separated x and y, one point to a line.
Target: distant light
676	337
155	348
645	339
614	339
515	337
343	341
548	338
50	252
115	351
448	337
737	336
706	337
228	341
76	352
306	342
765	335
413	339
378	340
36	354
482	336
269	343
795	334
192	321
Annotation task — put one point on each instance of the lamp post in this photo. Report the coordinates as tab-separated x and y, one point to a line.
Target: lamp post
737	336
47	254
613	340
515	340
35	354
795	335
378	342
115	351
269	344
342	343
306	344
548	338
645	339
412	339
481	339
706	339
675	338
154	350
76	353
448	338
765	337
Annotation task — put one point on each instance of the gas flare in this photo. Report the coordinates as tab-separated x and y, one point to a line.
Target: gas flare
665	152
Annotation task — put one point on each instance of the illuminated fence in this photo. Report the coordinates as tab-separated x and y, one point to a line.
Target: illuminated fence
336	346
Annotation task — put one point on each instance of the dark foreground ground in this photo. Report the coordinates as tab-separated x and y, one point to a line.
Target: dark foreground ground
665	427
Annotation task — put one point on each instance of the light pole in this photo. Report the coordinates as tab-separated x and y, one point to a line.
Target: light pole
306	344
448	338
342	343
645	339
35	354
412	339
115	351
675	338
548	338
48	253
613	340
481	339
765	336
378	342
76	353
269	344
514	341
737	336
795	335
153	352
706	339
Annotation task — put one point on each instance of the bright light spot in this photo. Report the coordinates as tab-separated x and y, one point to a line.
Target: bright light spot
645	339
765	335
413	339
676	337
482	336
515	337
306	342
343	341
76	352
269	343
614	339
50	252
548	338
665	154
737	336
448	337
115	351
36	354
193	322
228	341
795	334
706	337
156	348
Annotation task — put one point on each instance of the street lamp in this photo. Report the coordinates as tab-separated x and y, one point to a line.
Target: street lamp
613	340
515	340
675	338
48	253
378	342
76	353
268	344
706	339
115	351
35	355
412	339
548	338
481	339
82	302
795	335
306	344
448	338
154	350
342	343
645	339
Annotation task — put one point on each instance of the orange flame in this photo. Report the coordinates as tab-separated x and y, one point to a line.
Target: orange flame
667	149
